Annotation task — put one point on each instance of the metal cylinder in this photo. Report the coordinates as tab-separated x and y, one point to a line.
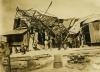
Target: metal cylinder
57	61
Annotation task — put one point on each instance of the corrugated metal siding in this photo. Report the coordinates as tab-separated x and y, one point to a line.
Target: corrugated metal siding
94	29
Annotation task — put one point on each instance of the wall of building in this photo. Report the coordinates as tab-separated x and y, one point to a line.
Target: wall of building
94	28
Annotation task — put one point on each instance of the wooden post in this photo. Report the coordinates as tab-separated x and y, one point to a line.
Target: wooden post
8	57
9	64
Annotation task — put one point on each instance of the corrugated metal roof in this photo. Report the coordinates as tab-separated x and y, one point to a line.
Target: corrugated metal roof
69	22
76	28
13	32
92	18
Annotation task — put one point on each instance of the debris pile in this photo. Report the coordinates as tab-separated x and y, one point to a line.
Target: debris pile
78	59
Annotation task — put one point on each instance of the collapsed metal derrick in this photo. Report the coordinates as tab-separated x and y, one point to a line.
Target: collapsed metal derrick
31	17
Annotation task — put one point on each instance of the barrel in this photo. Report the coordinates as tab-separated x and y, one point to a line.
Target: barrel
57	61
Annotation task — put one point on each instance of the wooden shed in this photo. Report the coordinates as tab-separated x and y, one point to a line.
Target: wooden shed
17	37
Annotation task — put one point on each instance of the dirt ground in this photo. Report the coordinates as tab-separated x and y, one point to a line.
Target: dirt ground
93	54
93	66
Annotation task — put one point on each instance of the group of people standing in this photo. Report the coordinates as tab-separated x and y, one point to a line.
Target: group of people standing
41	39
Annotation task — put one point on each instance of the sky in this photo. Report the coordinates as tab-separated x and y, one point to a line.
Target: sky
59	8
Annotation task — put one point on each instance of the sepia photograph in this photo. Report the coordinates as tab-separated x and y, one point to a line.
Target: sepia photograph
49	35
